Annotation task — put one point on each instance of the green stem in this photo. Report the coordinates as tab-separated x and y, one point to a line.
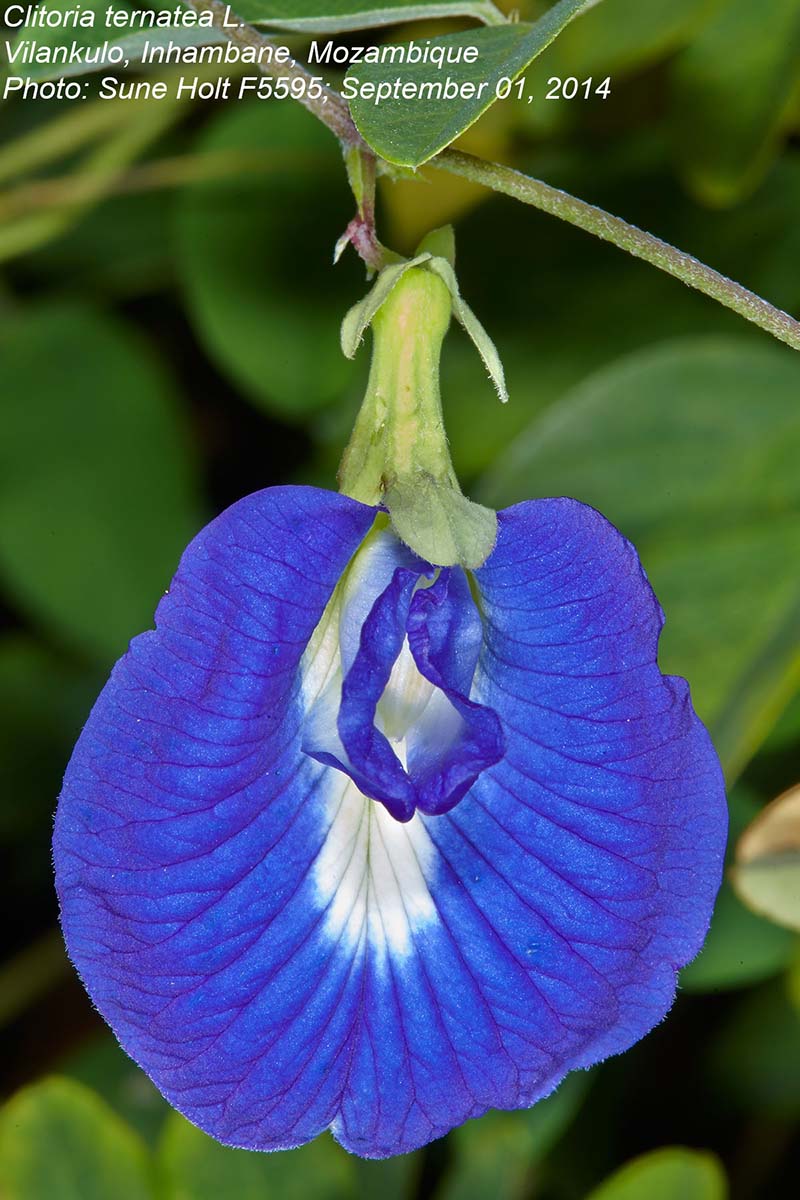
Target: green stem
398	454
361	233
653	250
400	430
326	103
333	112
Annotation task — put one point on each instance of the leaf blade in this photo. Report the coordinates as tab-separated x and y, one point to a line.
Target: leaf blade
75	494
408	133
59	1141
665	1174
344	16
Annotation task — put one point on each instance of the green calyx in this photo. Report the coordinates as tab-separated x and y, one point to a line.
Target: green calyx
398	454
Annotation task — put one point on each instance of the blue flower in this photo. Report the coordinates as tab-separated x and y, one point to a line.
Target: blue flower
393	818
354	842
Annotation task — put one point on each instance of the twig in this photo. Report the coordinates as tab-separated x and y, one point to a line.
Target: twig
333	112
638	243
324	103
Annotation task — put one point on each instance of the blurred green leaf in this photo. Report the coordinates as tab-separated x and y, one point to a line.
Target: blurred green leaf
409	131
620	35
31	223
741	948
496	1155
771	887
192	1166
255	259
671	446
43	703
793	983
752	1059
97	497
766	871
101	1065
338	16
733	87
123	247
614	39
58	1141
673	1173
786	731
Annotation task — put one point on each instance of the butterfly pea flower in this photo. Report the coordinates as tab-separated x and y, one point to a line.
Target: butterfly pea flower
393	818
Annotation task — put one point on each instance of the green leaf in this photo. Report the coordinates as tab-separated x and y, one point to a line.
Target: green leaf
619	35
255	259
673	1173
408	131
58	1141
495	1155
312	16
103	1066
766	873
670	445
733	89
193	1166
340	16
97	495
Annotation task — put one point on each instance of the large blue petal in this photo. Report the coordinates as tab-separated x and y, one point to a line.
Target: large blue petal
577	875
278	951
602	831
188	826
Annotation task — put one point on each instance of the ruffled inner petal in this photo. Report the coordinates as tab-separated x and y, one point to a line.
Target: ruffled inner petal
398	721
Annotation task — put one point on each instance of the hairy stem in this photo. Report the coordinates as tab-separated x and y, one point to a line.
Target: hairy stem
332	110
328	106
638	243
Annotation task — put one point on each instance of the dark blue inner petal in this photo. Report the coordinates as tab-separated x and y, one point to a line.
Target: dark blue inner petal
409	685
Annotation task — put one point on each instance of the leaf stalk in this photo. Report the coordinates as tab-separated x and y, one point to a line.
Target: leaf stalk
331	109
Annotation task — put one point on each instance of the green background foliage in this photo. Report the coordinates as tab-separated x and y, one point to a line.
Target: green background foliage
169	342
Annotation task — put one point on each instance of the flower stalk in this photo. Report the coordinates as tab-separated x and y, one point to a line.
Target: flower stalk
398	454
400	429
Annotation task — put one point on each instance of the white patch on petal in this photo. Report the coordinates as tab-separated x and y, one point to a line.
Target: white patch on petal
413	714
372	871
